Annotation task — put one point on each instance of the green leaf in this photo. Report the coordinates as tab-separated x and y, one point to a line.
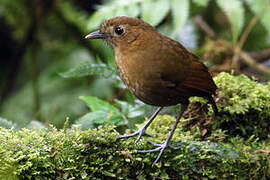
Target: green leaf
121	12
96	104
202	3
180	10
86	69
262	9
102	14
131	111
136	111
154	11
112	9
112	114
234	11
133	11
88	120
73	15
95	20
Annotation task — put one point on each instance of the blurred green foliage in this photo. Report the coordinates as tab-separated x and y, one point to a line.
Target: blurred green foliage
180	12
102	112
50	39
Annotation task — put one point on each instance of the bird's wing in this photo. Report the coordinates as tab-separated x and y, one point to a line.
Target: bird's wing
196	82
198	79
175	62
184	72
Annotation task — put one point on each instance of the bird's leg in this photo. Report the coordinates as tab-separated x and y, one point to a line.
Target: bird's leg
141	131
162	147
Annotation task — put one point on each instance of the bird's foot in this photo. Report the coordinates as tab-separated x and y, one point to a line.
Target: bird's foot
140	132
160	148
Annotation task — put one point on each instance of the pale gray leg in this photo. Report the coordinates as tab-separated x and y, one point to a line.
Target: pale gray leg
142	132
162	147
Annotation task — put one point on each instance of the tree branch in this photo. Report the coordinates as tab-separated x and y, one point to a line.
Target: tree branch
253	64
204	26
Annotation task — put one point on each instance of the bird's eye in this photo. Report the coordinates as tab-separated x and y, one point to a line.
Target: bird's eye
119	30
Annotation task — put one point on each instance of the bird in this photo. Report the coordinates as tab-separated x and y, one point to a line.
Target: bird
156	69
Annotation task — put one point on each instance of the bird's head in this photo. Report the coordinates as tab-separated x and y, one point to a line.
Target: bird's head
121	31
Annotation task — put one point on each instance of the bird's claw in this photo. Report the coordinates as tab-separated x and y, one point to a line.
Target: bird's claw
169	146
160	148
141	133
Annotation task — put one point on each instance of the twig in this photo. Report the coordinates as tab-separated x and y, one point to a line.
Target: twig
260	55
204	26
247	59
238	47
253	64
246	32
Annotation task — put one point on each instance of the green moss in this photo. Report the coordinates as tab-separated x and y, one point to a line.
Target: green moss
244	106
95	154
241	94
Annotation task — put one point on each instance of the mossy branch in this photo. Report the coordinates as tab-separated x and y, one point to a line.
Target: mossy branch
94	154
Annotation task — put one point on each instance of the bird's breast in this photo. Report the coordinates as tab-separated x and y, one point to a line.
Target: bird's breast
133	74
143	80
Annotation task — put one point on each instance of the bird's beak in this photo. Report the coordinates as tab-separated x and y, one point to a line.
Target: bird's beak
96	35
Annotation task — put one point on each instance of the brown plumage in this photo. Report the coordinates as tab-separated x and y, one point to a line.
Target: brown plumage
157	69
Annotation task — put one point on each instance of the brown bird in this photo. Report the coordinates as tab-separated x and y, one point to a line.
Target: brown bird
157	69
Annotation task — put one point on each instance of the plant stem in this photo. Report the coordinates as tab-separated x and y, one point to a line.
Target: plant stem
238	47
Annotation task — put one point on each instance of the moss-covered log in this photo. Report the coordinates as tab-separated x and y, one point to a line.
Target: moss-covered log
244	108
94	154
